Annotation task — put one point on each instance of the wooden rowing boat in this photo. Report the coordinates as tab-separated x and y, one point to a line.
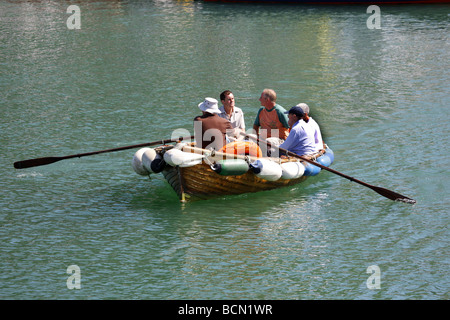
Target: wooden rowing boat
198	179
201	182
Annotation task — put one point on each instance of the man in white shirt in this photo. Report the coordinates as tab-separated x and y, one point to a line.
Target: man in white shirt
317	134
232	113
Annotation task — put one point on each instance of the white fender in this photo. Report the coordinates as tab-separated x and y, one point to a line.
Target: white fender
267	169
137	162
176	157
292	170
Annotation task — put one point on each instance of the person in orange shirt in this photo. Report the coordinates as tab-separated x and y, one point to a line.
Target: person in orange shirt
271	118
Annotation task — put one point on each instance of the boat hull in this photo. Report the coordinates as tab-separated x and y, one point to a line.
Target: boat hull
200	182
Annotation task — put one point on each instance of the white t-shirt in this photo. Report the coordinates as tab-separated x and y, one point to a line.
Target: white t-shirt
317	134
236	119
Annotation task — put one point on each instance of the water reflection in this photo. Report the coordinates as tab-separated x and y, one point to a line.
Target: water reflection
216	239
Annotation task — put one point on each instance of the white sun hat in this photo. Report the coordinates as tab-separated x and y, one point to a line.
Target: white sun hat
209	105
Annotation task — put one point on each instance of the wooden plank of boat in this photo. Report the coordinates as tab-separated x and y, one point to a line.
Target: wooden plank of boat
201	182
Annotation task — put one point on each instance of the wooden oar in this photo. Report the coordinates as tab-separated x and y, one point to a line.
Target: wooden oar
382	191
47	160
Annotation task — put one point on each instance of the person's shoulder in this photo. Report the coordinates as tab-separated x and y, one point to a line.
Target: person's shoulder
300	126
217	117
224	121
221	118
280	108
259	111
237	109
222	115
281	112
313	123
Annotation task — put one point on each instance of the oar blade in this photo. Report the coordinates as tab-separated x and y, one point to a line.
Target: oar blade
392	195
35	162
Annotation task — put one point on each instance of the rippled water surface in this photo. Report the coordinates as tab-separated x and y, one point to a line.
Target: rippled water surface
136	71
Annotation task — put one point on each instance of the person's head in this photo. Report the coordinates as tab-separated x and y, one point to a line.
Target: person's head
227	99
304	107
295	114
268	98
209	106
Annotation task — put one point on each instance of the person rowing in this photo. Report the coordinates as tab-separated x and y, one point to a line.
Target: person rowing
301	139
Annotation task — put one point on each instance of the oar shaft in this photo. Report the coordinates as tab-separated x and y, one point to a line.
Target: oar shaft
148	144
289	153
382	191
48	160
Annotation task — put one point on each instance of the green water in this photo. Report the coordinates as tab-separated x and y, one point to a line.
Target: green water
136	71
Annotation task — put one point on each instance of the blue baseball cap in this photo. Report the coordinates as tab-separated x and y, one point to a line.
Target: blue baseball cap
297	111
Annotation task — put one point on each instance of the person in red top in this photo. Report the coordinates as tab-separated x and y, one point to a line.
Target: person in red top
271	117
210	129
